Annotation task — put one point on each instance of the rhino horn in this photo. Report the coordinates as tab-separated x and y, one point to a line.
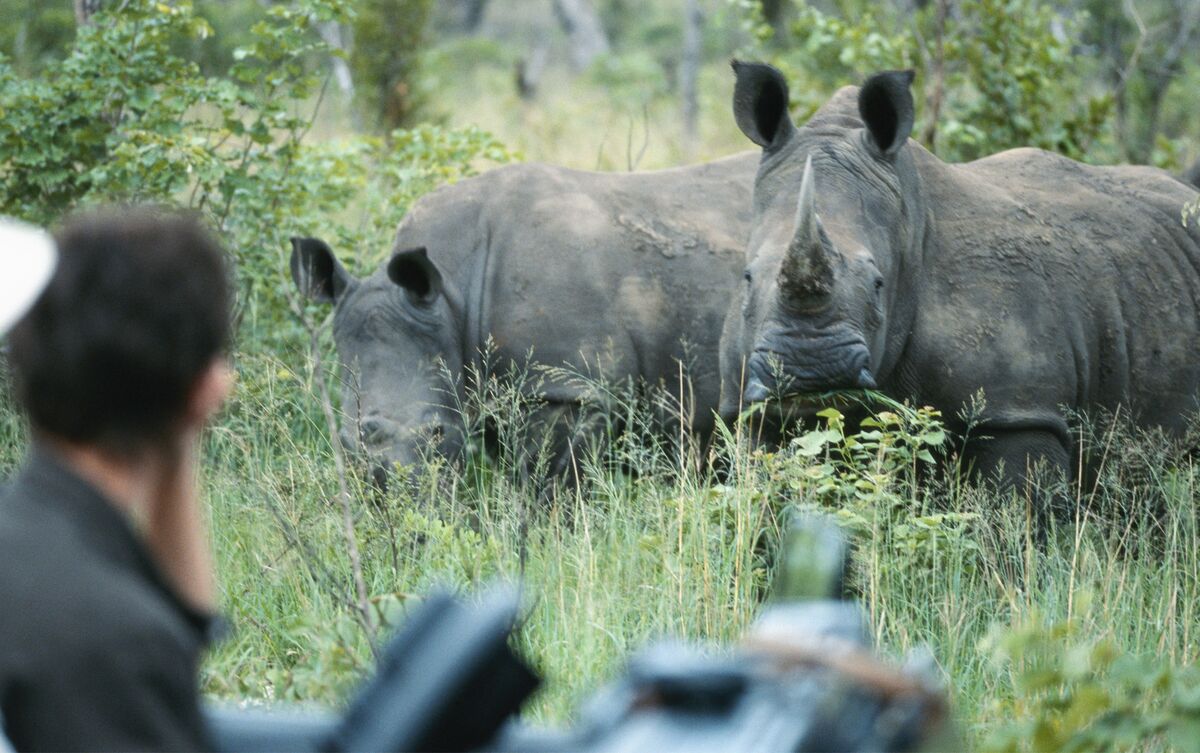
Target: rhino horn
806	270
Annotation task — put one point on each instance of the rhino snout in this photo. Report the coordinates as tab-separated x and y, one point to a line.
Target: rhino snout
377	430
370	433
773	373
395	443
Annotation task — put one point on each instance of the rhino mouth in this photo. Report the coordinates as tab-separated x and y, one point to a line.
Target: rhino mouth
810	404
396	455
807	405
811	382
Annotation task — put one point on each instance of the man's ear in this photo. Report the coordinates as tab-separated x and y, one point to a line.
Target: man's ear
316	271
416	273
209	392
885	104
760	103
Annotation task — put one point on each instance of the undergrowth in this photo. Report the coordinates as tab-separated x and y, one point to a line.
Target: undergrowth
1085	641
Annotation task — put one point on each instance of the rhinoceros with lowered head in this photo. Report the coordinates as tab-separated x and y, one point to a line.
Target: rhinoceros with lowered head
623	278
1046	283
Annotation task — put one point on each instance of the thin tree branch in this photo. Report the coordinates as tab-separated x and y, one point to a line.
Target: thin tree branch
363	604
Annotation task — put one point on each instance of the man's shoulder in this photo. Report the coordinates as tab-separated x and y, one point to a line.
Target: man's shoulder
61	592
99	659
105	655
36	550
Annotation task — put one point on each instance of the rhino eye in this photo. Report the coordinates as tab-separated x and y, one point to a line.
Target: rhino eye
378	324
747	276
878	284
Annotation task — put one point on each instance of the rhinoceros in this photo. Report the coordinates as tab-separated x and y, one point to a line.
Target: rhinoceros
620	277
1043	282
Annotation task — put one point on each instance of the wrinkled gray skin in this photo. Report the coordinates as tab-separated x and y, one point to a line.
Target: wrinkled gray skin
1044	282
622	277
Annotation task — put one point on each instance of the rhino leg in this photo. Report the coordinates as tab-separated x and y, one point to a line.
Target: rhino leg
1032	462
558	439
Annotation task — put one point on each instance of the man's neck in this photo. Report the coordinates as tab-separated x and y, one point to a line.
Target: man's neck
128	484
157	492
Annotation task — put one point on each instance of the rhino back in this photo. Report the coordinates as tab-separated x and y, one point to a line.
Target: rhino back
613	275
1049	282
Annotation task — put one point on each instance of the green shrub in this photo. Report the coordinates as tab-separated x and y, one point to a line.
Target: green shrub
126	118
1073	691
105	124
878	482
1013	81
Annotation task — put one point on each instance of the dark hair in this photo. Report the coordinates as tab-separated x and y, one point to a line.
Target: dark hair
137	309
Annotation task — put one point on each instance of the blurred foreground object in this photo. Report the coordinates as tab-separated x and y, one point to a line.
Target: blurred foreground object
27	257
804	679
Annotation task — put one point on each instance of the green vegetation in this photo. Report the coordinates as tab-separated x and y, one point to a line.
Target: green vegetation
1083	642
389	37
994	74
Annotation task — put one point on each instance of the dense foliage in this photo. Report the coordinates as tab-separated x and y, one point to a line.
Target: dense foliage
994	75
127	118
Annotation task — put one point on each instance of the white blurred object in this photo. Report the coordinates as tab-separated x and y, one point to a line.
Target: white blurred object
27	258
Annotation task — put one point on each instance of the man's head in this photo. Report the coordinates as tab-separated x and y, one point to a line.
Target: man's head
120	349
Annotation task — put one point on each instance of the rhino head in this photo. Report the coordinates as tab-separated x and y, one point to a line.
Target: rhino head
400	346
837	209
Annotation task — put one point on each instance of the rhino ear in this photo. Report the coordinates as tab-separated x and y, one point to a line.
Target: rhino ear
760	103
317	272
885	104
414	271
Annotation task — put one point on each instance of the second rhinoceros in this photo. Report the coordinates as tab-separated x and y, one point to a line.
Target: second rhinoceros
619	277
1043	282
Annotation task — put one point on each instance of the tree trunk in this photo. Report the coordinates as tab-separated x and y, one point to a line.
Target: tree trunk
937	91
689	69
1157	56
338	37
530	69
584	31
84	10
472	14
1192	174
1146	136
776	13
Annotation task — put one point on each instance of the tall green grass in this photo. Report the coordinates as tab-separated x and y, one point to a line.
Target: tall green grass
653	545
